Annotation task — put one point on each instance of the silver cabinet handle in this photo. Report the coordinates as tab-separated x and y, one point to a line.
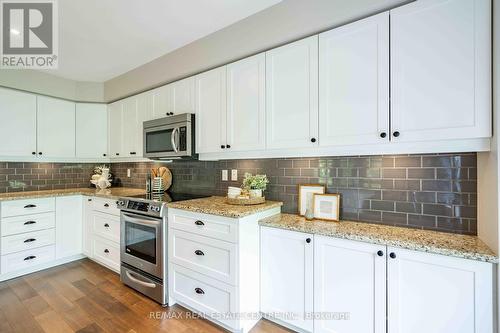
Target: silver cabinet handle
142	283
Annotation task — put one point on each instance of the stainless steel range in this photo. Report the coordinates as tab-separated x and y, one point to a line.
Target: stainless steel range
144	243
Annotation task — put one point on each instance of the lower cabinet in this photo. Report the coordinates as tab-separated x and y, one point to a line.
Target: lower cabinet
362	287
287	277
68	226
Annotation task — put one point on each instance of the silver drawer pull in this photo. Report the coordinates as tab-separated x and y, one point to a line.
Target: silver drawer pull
199	253
199	291
29	258
30	206
29	222
29	240
142	283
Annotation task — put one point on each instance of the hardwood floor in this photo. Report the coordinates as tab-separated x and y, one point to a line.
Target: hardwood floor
83	296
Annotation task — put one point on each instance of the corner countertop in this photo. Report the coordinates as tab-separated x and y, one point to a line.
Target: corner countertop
112	193
455	245
218	206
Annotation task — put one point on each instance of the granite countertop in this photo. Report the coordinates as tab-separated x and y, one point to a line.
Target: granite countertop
113	193
455	245
218	206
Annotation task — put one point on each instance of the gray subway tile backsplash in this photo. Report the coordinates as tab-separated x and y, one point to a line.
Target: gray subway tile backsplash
437	192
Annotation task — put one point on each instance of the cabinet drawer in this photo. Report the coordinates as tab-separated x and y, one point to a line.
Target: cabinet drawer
26	259
205	225
29	240
203	294
27	223
28	206
208	256
106	226
106	252
105	206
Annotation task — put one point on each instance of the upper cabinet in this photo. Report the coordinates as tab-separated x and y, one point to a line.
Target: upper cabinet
292	95
441	70
354	83
174	98
18	125
130	128
246	113
211	111
91	130
55	127
115	129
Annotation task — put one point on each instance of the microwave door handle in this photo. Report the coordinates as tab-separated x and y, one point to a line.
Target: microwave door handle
172	140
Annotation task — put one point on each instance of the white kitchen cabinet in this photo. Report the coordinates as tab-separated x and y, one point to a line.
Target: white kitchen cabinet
246	109
18	125
91	130
55	127
287	276
145	112
292	95
354	83
115	129
211	111
69	226
182	96
161	101
130	128
441	70
435	294
87	221
349	280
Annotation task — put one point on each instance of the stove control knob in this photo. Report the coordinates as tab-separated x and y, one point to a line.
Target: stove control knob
121	203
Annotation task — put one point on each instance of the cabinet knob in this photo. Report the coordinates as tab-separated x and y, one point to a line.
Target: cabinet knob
308	240
117	154
106	251
199	223
89	199
222	146
133	153
106	205
106	225
313	140
33	153
383	135
40	153
199	291
104	155
395	134
228	146
199	253
392	255
380	253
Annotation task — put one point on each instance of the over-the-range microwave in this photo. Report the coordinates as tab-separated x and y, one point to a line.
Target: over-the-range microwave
170	137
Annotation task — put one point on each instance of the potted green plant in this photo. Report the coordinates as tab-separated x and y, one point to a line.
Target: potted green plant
255	184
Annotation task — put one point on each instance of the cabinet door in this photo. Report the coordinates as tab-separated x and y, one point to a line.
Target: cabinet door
211	110
68	226
441	70
182	96
55	127
292	94
246	113
115	129
435	294
130	127
162	101
354	83
91	130
17	133
350	281
87	226
145	112
287	275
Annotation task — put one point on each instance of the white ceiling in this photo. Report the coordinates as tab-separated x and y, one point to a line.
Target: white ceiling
101	39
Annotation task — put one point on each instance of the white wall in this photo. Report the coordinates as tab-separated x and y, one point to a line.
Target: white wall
285	22
47	84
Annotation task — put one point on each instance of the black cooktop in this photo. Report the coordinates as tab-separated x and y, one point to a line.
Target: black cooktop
168	196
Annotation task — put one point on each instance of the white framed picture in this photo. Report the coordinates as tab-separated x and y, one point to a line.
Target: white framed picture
306	194
326	207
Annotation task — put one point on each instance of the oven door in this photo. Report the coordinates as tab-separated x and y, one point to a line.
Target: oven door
141	242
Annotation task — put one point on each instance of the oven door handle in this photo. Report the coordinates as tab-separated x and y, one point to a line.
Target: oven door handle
142	283
143	221
173	141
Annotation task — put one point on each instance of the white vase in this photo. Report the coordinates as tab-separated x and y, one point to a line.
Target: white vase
255	193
